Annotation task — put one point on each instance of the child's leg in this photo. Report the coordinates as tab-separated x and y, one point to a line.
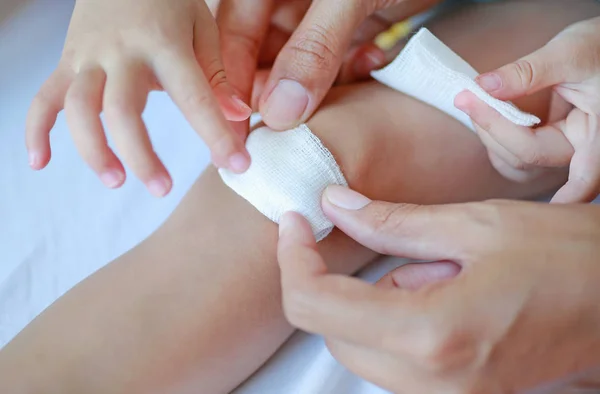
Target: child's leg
196	306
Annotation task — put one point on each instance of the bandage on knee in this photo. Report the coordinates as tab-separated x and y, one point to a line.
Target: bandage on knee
429	71
290	169
289	172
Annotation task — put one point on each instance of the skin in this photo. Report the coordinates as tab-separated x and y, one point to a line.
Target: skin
568	63
308	63
522	313
115	53
174	312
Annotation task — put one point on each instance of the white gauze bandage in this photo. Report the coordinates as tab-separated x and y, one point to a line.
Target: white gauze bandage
289	172
429	71
290	169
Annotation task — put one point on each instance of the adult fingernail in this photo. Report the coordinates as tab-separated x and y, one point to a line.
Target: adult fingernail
159	187
345	198
286	104
489	82
112	178
239	163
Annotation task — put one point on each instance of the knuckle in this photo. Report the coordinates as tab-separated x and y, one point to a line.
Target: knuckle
42	100
296	307
529	157
519	164
389	219
195	99
444	350
486	218
249	43
215	73
77	101
118	107
525	72
315	49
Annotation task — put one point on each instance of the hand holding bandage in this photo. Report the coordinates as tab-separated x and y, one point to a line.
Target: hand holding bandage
522	312
570	64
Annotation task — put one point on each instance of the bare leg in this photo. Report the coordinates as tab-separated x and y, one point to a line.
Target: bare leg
197	305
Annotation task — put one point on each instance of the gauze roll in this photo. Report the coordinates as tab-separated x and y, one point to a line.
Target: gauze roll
429	71
289	172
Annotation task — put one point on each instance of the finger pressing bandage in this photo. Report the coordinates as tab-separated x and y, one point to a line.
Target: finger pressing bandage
291	169
289	172
429	71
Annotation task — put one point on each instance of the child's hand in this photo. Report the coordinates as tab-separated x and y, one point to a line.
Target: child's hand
570	64
116	52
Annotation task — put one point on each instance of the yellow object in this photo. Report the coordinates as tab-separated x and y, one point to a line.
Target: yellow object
390	37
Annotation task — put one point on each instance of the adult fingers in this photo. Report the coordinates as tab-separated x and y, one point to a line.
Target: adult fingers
415	231
583	185
271	46
307	66
44	109
183	79
241	39
332	305
417	275
125	97
83	105
545	146
421	325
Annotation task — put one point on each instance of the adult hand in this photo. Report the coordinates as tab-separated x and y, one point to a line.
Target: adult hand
570	63
308	63
115	53
522	312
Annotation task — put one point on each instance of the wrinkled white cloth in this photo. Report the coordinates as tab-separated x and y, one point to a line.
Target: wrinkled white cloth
429	71
289	172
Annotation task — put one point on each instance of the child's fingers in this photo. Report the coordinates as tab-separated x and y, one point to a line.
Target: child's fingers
183	79
125	95
83	104
207	49
41	117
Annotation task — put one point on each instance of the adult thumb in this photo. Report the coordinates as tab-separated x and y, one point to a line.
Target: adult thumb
423	232
415	276
543	68
308	64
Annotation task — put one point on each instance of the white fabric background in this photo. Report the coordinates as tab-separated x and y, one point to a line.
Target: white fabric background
60	225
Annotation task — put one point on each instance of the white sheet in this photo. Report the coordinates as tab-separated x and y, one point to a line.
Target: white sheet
60	225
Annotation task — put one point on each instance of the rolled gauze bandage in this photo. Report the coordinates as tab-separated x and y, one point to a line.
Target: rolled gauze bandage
289	172
429	71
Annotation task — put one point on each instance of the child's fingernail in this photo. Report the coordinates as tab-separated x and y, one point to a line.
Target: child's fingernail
345	198
369	61
461	102
285	223
34	159
112	178
159	187
241	105
239	163
489	82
